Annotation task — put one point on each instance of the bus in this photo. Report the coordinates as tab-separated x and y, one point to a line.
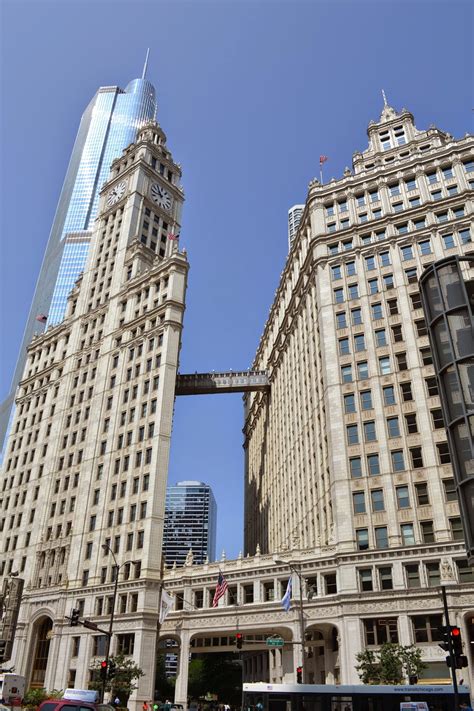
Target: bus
261	696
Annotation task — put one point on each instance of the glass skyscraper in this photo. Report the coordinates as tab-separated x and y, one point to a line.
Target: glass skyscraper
190	523
108	125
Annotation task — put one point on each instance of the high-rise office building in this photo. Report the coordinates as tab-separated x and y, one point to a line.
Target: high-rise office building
294	217
85	471
190	523
108	125
353	434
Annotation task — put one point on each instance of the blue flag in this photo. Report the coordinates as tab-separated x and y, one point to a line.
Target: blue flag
285	602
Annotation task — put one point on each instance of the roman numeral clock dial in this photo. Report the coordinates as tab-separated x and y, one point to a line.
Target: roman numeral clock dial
160	196
116	193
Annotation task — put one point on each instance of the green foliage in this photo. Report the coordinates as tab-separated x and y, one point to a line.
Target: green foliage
218	674
34	697
164	686
391	664
123	682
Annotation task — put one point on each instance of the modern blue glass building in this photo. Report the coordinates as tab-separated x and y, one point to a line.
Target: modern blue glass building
190	523
108	125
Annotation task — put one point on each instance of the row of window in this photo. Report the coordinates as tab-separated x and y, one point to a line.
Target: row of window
402	494
378	537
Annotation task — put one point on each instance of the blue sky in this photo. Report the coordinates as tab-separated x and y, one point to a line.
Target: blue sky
249	94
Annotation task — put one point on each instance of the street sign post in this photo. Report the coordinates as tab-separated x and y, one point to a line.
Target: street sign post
275	642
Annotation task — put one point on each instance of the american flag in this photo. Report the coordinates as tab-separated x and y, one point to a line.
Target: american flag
172	236
41	318
220	589
322	159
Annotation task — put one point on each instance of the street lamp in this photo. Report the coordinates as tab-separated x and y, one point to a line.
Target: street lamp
117	567
297	571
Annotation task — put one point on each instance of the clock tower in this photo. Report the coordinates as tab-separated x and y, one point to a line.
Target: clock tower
104	381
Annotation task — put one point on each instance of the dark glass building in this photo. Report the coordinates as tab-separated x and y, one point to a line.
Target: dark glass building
190	523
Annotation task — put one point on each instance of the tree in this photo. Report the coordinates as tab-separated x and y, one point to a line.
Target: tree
123	682
391	664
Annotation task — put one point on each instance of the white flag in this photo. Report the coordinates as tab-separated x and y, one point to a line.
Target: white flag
167	604
285	602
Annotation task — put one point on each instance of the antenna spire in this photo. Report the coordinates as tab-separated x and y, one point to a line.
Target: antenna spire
384	98
146	63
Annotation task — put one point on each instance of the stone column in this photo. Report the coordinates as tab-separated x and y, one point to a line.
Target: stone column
181	688
350	643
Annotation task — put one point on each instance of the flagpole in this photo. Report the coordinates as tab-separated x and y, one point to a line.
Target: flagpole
321	174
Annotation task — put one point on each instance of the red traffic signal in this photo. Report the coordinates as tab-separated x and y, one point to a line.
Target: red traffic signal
239	638
299	675
455	632
103	670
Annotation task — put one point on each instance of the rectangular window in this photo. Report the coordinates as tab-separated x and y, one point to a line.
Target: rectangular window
358	502
365	579
369	431
384	365
355	467
443	453
447	173
416	457
373	286
381	537
374	196
403	498
432	178
414	202
407	394
426	628
380	338
457	532
408	535
449	242
401	361
362	370
352	434
411	275
388	281
376	496
411	423
377	312
389	395
425	247
436	195
353	291
339	296
427	532
385	259
350	269
407	252
398	461
362	539
346	372
347	244
410	184
349	403
419	224
392	307
373	465
341	320
366	400
380	631
344	348
441	217
370	263
393	427
333	248
412	573
432	574
330	583
437	418
465	236
385	578
356	317
450	493
336	272
465	571
359	342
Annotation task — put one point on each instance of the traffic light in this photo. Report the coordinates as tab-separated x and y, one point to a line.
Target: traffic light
103	670
239	638
74	618
445	634
460	659
112	669
299	675
3	650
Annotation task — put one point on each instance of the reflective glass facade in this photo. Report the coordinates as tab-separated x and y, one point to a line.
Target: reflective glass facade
190	523
108	125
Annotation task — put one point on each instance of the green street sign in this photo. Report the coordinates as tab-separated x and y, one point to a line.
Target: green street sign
275	642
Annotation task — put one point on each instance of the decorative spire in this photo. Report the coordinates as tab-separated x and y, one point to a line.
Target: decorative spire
145	66
384	98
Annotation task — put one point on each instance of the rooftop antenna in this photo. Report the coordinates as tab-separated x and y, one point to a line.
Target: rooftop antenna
383	94
146	63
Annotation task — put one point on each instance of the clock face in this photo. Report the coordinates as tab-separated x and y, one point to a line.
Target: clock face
160	196
116	193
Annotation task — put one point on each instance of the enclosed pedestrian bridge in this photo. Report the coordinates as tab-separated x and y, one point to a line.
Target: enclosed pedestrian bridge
215	383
